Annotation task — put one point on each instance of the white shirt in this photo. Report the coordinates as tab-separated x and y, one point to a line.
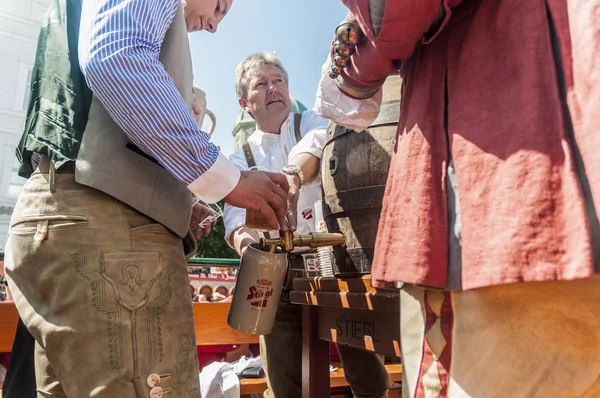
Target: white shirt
271	153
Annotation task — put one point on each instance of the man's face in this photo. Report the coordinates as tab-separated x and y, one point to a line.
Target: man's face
205	14
267	97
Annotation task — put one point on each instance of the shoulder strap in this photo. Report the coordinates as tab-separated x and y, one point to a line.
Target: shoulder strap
249	156
248	152
297	121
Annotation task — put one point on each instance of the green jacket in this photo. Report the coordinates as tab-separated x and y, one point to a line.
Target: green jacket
60	99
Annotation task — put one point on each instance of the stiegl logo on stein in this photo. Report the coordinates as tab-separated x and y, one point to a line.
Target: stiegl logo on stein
260	293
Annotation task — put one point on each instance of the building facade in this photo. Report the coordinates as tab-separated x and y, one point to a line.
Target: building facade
20	22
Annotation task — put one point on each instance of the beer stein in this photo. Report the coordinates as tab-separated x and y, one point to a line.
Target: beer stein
257	291
254	218
201	110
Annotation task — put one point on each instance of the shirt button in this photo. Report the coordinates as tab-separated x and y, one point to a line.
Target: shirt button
153	380
156	392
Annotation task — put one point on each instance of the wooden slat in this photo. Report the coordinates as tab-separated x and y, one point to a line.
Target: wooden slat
338	379
384	302
360	284
210	323
252	386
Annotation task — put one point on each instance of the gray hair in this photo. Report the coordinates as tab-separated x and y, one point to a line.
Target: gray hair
252	61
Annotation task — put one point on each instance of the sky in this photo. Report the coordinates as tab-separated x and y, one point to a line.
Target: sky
299	31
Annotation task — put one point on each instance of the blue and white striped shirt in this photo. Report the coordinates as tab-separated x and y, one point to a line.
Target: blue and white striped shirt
119	47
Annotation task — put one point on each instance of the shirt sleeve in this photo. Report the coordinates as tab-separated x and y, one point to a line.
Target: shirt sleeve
119	47
312	143
235	217
342	109
312	120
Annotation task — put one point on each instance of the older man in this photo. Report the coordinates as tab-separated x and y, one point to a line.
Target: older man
262	88
493	189
98	240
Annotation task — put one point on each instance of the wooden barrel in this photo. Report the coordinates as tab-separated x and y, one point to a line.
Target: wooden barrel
354	173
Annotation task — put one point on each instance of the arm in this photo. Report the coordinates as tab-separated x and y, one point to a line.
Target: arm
308	151
119	47
306	154
309	164
392	31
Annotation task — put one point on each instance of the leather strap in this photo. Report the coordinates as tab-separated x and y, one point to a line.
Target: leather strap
249	156
248	151
297	121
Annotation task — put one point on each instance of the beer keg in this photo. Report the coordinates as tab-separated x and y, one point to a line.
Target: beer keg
354	172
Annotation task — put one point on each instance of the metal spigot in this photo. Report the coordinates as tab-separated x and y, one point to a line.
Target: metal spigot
288	240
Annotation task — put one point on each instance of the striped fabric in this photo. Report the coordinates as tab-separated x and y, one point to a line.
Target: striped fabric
119	46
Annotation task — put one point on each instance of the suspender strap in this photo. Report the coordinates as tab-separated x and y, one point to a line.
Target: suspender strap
297	120
249	156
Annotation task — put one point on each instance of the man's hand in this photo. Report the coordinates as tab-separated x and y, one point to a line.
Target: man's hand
310	165
203	218
262	191
348	34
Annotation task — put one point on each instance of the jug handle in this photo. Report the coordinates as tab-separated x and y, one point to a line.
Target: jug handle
213	119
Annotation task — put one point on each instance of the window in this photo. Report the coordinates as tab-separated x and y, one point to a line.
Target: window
16	182
22	87
27	90
15	178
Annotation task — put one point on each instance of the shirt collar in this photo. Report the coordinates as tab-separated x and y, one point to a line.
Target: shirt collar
285	126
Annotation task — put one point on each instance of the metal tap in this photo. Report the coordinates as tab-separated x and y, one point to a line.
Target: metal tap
288	240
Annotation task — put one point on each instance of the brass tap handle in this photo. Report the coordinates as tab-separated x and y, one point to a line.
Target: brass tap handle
289	241
319	239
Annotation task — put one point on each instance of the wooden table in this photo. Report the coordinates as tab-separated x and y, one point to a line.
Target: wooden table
344	311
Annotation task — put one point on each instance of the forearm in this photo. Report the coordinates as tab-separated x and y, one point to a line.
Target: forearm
309	164
392	32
